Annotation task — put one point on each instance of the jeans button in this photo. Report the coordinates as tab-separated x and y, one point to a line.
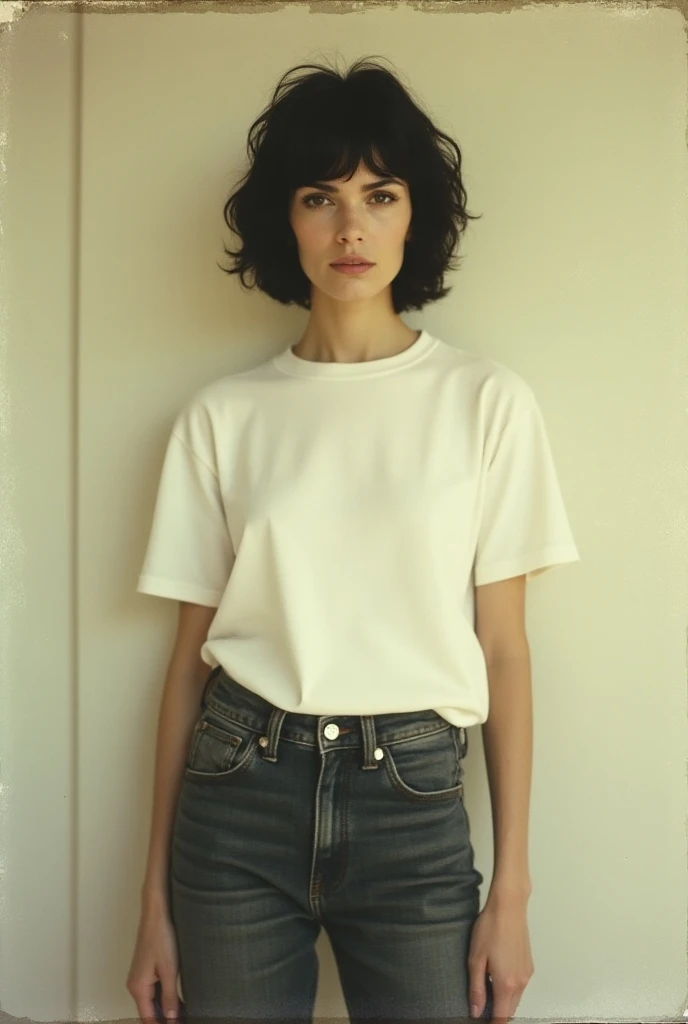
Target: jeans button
331	731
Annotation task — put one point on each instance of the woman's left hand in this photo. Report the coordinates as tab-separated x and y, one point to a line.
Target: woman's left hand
500	947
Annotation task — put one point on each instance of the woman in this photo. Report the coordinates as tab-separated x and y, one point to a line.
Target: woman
348	528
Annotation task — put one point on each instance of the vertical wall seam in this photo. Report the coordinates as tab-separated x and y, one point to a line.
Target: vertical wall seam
75	384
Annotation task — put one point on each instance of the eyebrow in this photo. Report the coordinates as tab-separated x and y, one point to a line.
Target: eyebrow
364	188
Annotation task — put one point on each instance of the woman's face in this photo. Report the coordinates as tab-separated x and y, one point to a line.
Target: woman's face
340	218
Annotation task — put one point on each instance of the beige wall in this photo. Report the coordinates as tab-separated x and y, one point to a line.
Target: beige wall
122	147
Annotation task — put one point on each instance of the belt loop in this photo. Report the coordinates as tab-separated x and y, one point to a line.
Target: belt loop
271	739
206	689
369	742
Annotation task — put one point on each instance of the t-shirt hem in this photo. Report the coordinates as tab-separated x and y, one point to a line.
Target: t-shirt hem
532	565
157	586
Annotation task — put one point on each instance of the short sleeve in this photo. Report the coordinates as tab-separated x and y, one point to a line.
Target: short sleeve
189	555
524	528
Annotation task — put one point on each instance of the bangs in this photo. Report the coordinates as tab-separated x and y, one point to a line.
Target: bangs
330	157
339	130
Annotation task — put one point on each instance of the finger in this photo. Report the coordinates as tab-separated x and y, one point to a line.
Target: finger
144	1005
170	999
515	1000
501	1002
476	989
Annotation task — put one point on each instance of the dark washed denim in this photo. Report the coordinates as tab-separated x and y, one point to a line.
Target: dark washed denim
288	823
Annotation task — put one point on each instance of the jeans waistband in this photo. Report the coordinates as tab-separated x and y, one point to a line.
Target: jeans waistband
228	697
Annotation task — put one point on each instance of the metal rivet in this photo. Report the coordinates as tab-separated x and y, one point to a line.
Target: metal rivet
263	741
379	753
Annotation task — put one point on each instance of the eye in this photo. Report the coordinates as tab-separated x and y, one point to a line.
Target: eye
307	200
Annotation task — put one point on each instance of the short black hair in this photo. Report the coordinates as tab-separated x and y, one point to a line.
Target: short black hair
319	127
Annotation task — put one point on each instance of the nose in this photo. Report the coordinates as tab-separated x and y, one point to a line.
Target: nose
347	236
349	229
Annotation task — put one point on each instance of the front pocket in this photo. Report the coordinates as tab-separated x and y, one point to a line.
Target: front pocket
426	768
218	751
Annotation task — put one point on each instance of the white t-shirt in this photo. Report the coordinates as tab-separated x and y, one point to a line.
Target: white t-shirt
339	515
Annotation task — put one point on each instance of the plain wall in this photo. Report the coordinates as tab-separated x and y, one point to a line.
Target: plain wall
124	134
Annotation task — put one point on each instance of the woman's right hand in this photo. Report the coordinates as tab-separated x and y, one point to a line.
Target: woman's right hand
155	958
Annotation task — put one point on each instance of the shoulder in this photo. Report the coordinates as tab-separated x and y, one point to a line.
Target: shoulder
506	395
498	393
209	410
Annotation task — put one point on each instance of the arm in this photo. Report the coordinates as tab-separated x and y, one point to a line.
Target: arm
508	744
179	708
508	731
500	944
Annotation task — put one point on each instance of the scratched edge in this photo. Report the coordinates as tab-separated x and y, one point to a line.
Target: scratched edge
19	8
11	545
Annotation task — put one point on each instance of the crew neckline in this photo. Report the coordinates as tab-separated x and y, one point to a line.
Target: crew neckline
295	366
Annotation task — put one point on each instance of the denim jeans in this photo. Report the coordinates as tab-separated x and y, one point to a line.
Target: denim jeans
288	823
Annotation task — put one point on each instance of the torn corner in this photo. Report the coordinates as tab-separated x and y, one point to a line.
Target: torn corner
11	11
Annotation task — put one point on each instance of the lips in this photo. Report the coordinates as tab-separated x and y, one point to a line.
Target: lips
351	263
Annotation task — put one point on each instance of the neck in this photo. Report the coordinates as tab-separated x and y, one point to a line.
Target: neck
338	347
